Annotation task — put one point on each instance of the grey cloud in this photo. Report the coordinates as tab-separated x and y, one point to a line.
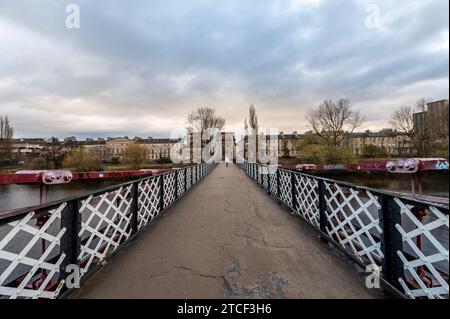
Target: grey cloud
140	61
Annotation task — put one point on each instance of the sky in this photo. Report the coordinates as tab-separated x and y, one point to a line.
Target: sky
138	67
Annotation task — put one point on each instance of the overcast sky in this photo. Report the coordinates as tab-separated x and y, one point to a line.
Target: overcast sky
138	67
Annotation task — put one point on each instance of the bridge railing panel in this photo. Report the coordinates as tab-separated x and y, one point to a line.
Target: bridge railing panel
41	247
404	240
424	255
353	221
105	225
148	200
306	198
30	253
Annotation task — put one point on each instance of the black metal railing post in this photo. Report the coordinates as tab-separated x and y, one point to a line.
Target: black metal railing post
185	179
134	208
323	219
176	184
192	176
269	178
278	183
161	193
391	241
294	191
70	241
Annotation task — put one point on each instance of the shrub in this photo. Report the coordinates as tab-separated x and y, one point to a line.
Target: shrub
81	160
135	155
373	151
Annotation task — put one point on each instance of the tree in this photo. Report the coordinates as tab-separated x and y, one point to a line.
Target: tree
6	139
135	155
332	121
314	150
82	160
285	148
253	125
421	104
402	119
440	148
373	151
207	123
54	153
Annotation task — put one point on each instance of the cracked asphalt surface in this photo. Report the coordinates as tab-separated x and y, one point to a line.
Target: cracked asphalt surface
227	239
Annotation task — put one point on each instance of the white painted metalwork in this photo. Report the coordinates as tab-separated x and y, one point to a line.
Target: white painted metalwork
106	227
148	200
273	180
180	181
31	261
285	188
169	189
265	182
307	198
353	221
188	179
414	259
194	175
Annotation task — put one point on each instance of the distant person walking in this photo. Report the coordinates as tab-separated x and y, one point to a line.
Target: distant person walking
227	160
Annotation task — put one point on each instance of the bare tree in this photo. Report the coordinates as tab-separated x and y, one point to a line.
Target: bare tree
332	121
245	126
53	153
253	134
6	139
421	104
253	118
402	119
205	122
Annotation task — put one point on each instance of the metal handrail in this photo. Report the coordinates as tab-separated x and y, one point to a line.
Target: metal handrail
399	218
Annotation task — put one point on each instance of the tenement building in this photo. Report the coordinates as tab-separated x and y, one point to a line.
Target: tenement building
393	142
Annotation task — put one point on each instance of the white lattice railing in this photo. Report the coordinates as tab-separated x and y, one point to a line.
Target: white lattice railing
36	245
421	227
30	250
353	221
357	219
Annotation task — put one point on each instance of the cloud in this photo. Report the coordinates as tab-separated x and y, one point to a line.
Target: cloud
138	68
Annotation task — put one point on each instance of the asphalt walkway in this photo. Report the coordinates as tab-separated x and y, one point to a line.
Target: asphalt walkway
227	239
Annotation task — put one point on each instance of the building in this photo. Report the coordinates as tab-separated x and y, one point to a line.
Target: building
115	147
96	147
228	146
437	117
158	148
432	124
288	145
393	142
27	147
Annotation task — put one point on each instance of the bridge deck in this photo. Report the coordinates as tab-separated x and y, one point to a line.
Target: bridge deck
225	239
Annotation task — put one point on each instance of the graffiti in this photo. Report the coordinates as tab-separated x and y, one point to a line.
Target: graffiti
442	165
334	167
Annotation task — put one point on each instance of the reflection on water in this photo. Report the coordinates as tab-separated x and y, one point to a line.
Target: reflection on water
17	196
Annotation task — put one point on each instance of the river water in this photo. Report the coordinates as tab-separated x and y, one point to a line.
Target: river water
434	184
17	196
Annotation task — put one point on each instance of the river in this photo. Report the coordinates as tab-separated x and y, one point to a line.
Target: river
16	196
